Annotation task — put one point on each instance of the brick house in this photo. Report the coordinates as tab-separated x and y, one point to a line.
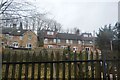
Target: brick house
19	38
53	39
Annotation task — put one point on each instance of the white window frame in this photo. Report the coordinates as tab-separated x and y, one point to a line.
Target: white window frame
71	41
15	44
58	40
75	49
49	33
28	45
85	35
91	42
79	42
63	47
87	48
67	41
45	40
11	37
54	40
50	46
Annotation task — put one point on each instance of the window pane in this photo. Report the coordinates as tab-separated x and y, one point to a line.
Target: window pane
58	41
67	41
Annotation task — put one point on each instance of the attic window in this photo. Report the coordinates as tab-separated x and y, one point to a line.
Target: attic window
85	35
49	33
91	42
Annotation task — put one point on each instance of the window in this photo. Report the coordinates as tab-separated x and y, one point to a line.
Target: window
29	37
7	36
46	40
83	42
71	41
74	49
63	47
54	40
87	49
2	43
67	41
90	35
58	40
10	37
21	37
28	45
79	42
91	42
85	35
50	46
15	44
49	33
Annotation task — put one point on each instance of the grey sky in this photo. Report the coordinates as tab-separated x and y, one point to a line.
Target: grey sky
87	16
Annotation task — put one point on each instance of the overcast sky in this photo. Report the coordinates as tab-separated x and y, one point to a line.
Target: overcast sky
87	15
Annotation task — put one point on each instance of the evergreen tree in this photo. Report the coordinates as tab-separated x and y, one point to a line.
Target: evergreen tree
104	38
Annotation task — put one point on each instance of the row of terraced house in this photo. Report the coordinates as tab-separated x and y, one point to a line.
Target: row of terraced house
21	38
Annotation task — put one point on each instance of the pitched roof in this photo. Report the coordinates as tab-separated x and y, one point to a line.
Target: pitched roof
42	34
18	32
6	30
11	31
68	36
87	38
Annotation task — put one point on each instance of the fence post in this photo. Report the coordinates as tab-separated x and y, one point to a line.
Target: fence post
20	66
33	65
75	65
7	66
104	64
92	65
26	65
45	64
86	66
39	65
69	65
63	66
80	66
57	65
14	59
51	66
54	67
97	67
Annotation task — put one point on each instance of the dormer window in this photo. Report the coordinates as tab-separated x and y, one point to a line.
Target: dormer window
50	33
90	35
18	31
85	35
91	42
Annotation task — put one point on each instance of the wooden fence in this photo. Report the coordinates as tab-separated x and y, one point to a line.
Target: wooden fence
54	65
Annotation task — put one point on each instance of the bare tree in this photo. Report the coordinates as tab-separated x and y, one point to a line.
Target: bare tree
13	11
4	5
